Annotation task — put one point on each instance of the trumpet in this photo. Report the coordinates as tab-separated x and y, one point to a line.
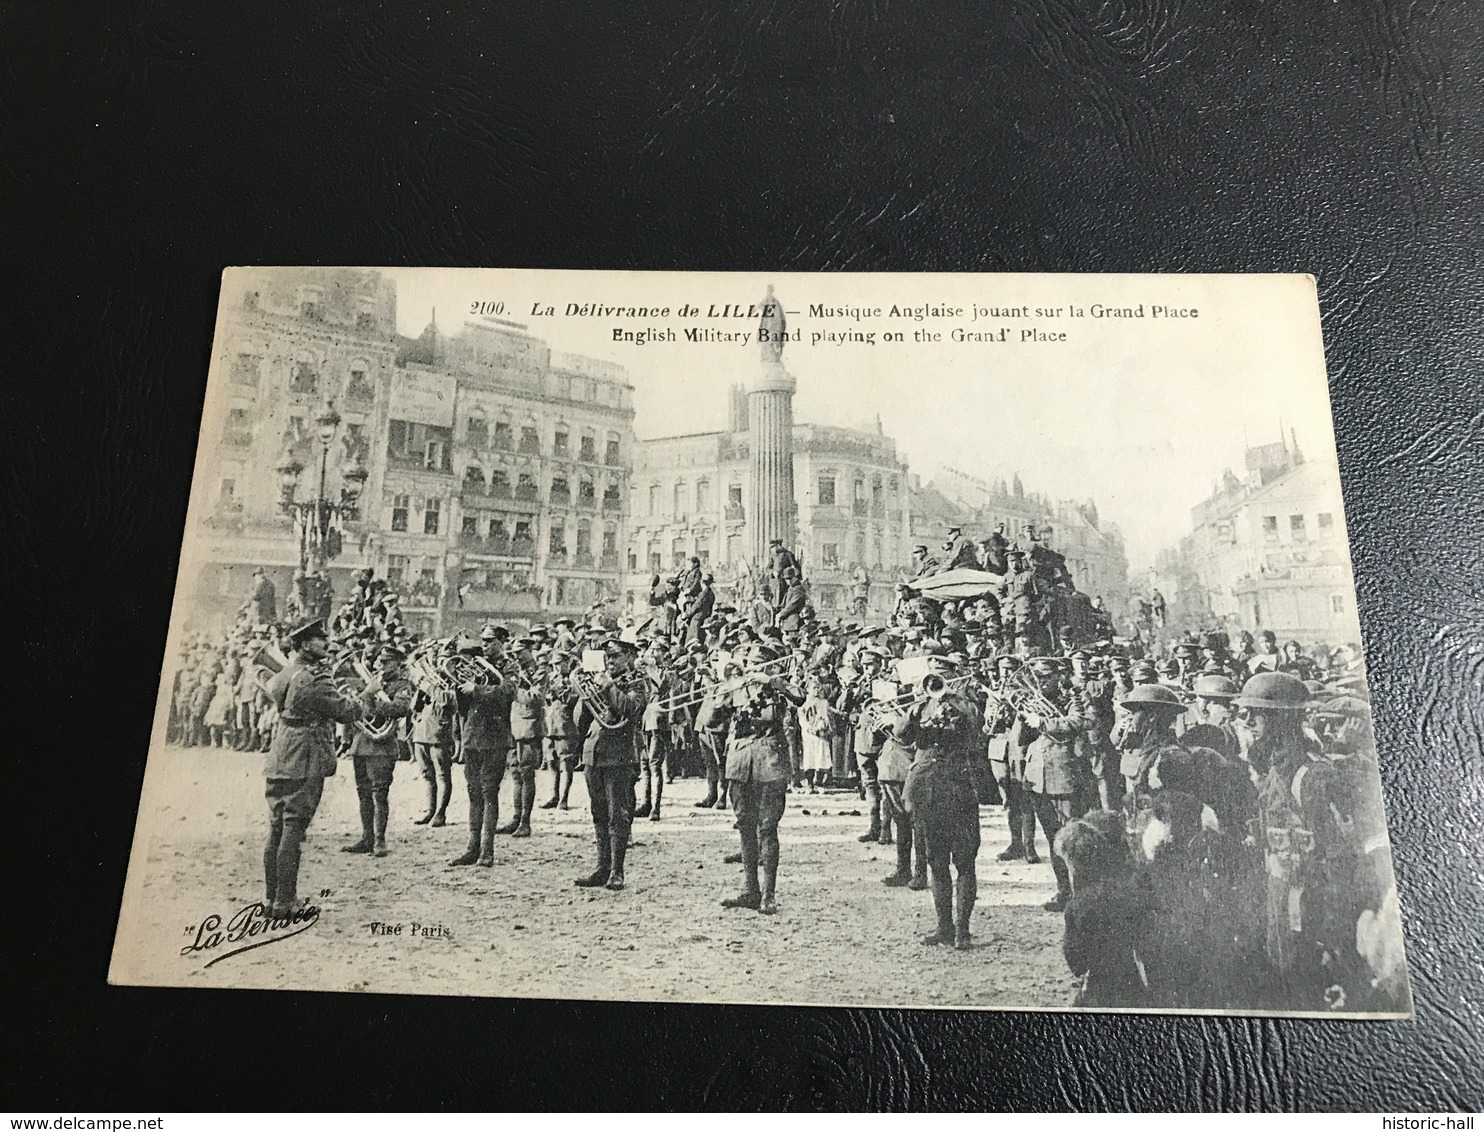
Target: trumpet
933	686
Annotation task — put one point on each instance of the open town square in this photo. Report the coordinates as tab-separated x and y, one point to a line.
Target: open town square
514	702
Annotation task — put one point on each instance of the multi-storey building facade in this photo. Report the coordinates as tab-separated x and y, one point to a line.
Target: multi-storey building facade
289	341
693	497
1269	551
497	469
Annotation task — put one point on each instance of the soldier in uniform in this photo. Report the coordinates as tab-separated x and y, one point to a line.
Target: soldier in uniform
921	565
1058	775
940	796
959	553
527	719
1215	725
1007	762
996	550
301	757
484	723
758	770
1306	834
1019	599
561	733
610	759
867	738
375	760
432	742
656	743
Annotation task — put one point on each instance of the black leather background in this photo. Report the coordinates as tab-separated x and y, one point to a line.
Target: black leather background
148	144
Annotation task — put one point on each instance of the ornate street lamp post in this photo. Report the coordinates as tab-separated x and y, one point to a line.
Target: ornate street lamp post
315	519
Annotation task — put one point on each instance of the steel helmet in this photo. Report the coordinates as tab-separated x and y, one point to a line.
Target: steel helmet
1147	696
1215	687
1276	691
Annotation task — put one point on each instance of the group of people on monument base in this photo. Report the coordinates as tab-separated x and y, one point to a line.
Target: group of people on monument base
1212	822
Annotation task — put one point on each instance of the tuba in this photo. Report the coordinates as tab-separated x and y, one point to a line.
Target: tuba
351	678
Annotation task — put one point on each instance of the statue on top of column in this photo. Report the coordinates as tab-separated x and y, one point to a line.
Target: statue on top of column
771	328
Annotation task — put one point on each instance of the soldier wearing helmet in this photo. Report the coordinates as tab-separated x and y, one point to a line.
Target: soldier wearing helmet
1214	724
1147	726
1309	937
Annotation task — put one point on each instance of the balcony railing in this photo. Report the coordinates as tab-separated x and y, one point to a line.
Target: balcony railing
608	562
561	498
860	507
522	548
557	556
612	506
736	513
589	502
526	492
583	560
530	447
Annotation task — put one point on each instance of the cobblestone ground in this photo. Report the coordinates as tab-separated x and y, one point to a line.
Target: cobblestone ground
522	929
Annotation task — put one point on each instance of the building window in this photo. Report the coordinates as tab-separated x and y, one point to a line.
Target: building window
499	482
559	442
499	536
826	491
238	432
310	300
703	496
610	543
1296	528
610	497
654	558
611	455
586	494
305	379
677	553
473	478
477	434
246	369
561	490
227	496
860	497
525	486
678	499
654	499
734	495
530	442
434	456
401	504
589	450
584	540
396	568
1326	523
470	526
431	515
1337	603
878	495
829	554
556	543
633	562
429	571
1270	527
359	386
504	436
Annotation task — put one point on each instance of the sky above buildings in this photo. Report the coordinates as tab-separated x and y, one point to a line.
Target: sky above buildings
1140	413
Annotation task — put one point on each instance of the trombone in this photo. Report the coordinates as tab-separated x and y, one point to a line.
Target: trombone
933	686
697	695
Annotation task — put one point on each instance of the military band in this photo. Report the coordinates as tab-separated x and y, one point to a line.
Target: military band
1209	812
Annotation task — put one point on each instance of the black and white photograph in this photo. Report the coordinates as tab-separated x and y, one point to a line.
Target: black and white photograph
947	641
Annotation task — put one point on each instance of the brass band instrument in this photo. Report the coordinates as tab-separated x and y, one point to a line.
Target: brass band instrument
693	697
589	687
428	678
353	686
267	663
933	686
463	669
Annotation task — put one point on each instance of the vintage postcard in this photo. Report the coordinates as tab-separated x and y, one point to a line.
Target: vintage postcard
957	641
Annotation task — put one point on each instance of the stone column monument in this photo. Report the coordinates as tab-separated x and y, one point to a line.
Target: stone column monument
770	416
